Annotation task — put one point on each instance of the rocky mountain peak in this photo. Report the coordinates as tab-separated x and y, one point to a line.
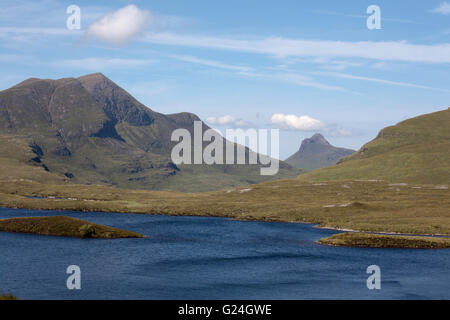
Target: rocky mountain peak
316	140
316	152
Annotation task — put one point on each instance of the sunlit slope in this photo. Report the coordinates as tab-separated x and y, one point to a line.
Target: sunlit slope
415	150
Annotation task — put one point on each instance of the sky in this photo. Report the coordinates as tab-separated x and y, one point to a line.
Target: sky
300	66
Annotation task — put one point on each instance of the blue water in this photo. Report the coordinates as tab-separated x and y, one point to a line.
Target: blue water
211	258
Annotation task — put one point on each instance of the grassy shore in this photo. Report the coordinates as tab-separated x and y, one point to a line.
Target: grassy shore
7	297
375	206
367	240
63	226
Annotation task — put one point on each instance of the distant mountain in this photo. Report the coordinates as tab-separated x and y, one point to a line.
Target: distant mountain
416	150
316	152
90	130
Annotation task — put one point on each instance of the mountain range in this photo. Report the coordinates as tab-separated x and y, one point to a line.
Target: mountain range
88	130
316	152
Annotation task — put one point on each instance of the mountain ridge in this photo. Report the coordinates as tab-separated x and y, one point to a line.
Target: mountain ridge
90	130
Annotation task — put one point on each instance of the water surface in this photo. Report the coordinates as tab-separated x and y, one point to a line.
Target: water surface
211	258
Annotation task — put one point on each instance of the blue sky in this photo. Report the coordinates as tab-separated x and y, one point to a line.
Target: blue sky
234	63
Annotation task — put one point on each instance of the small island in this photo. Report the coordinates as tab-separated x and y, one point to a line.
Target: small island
372	240
63	226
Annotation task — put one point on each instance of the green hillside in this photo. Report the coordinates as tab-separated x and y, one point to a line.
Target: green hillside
416	150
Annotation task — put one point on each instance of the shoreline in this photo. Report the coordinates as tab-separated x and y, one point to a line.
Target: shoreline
323	241
370	207
437	235
370	240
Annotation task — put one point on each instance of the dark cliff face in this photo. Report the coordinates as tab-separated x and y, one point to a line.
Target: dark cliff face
99	133
116	102
316	152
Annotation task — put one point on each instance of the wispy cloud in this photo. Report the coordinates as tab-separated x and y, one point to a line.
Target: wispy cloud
305	81
383	81
145	91
443	8
99	64
18	58
39	31
294	78
283	47
211	63
337	65
228	120
360	16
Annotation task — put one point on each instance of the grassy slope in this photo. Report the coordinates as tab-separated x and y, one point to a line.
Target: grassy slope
16	163
62	226
320	160
97	164
365	240
357	205
416	150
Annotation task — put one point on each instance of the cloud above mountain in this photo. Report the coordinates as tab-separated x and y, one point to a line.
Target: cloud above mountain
294	122
121	26
227	120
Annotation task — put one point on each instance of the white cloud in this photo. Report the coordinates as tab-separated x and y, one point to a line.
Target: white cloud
283	48
227	120
120	26
443	8
293	122
100	64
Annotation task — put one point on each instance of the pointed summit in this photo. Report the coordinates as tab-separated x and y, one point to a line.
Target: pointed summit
319	139
316	152
95	80
316	140
117	103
